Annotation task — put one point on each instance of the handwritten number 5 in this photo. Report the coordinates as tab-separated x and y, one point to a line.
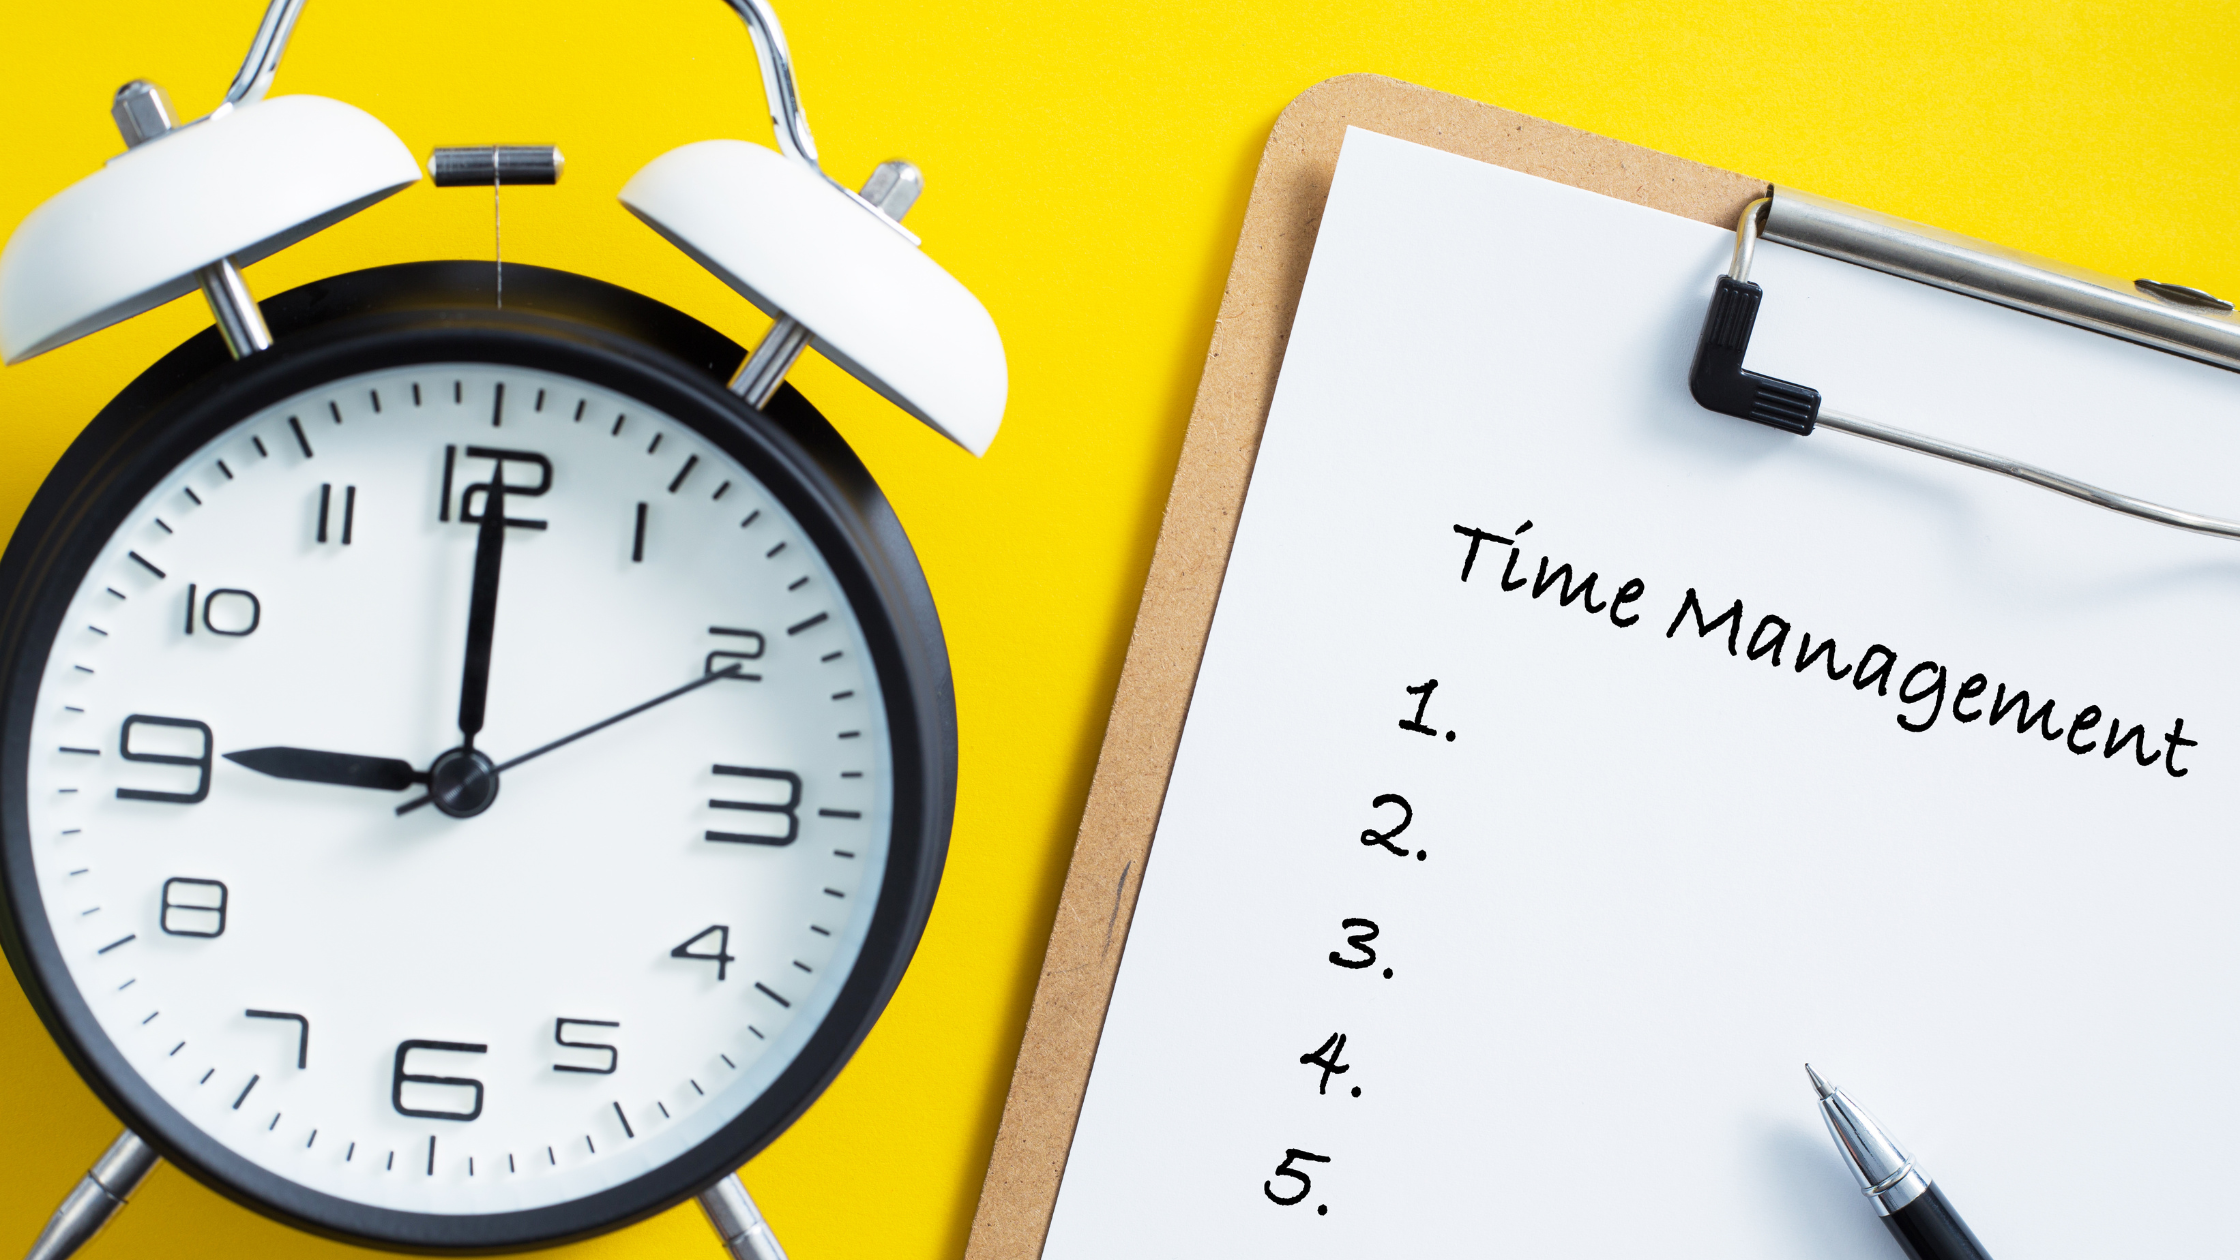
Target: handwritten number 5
1285	1169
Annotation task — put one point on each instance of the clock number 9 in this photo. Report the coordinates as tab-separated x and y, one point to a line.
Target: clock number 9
402	1078
200	761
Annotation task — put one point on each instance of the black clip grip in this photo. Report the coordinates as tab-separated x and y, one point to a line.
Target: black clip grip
1717	379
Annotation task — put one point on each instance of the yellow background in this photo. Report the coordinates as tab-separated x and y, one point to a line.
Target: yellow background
1088	164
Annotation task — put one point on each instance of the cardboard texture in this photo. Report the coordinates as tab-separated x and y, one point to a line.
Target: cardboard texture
1141	738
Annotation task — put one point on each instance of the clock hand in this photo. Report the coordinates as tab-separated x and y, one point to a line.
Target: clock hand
310	765
733	671
482	609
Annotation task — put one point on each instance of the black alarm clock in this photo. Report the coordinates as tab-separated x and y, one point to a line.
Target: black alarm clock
473	773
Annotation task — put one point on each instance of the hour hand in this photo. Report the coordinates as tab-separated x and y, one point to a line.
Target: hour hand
385	774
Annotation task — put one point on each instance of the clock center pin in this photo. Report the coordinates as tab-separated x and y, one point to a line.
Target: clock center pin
463	782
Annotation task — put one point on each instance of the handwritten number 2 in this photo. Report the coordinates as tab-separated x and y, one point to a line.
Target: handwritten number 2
1359	940
1285	1169
1407	815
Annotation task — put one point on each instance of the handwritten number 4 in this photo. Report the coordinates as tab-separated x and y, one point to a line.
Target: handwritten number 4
1326	1057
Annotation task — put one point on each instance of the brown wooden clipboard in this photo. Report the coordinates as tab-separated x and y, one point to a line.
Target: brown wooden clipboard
1201	521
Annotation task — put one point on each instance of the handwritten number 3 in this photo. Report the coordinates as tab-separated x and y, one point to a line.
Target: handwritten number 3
1359	940
1408	815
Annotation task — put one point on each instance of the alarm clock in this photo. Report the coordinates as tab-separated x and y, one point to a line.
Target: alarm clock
476	760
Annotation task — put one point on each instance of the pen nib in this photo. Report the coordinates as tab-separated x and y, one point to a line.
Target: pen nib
1826	1090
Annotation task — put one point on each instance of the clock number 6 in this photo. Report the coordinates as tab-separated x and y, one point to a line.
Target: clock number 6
200	761
722	958
402	1078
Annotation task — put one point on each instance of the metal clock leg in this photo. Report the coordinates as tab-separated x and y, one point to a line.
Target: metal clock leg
739	1222
118	1173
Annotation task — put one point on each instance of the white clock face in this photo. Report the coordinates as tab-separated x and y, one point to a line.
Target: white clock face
459	1014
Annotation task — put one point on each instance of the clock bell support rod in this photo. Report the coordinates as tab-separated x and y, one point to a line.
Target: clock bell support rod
892	189
143	112
890	192
97	1199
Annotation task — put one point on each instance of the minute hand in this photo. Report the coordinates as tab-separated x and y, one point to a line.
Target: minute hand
733	671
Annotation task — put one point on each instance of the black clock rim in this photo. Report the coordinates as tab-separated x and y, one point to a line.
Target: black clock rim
555	321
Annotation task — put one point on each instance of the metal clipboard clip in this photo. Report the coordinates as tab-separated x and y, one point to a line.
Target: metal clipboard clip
2167	317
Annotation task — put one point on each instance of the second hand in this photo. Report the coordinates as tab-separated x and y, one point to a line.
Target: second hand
734	671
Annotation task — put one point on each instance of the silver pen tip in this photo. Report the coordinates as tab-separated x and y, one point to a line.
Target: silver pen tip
1826	1090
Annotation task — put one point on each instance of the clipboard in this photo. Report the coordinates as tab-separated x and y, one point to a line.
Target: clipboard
1169	638
1226	424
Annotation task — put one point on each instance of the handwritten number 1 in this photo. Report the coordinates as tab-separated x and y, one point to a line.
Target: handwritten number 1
1416	723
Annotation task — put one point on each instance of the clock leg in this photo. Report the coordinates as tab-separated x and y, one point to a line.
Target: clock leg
118	1173
739	1222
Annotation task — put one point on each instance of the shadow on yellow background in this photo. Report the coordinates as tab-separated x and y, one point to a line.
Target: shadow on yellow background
1087	167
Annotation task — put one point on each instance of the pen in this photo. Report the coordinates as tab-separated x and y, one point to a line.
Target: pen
1911	1205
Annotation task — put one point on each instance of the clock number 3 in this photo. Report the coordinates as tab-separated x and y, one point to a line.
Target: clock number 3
423	1083
199	760
722	957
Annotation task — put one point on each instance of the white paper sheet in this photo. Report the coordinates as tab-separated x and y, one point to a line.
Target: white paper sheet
1660	877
